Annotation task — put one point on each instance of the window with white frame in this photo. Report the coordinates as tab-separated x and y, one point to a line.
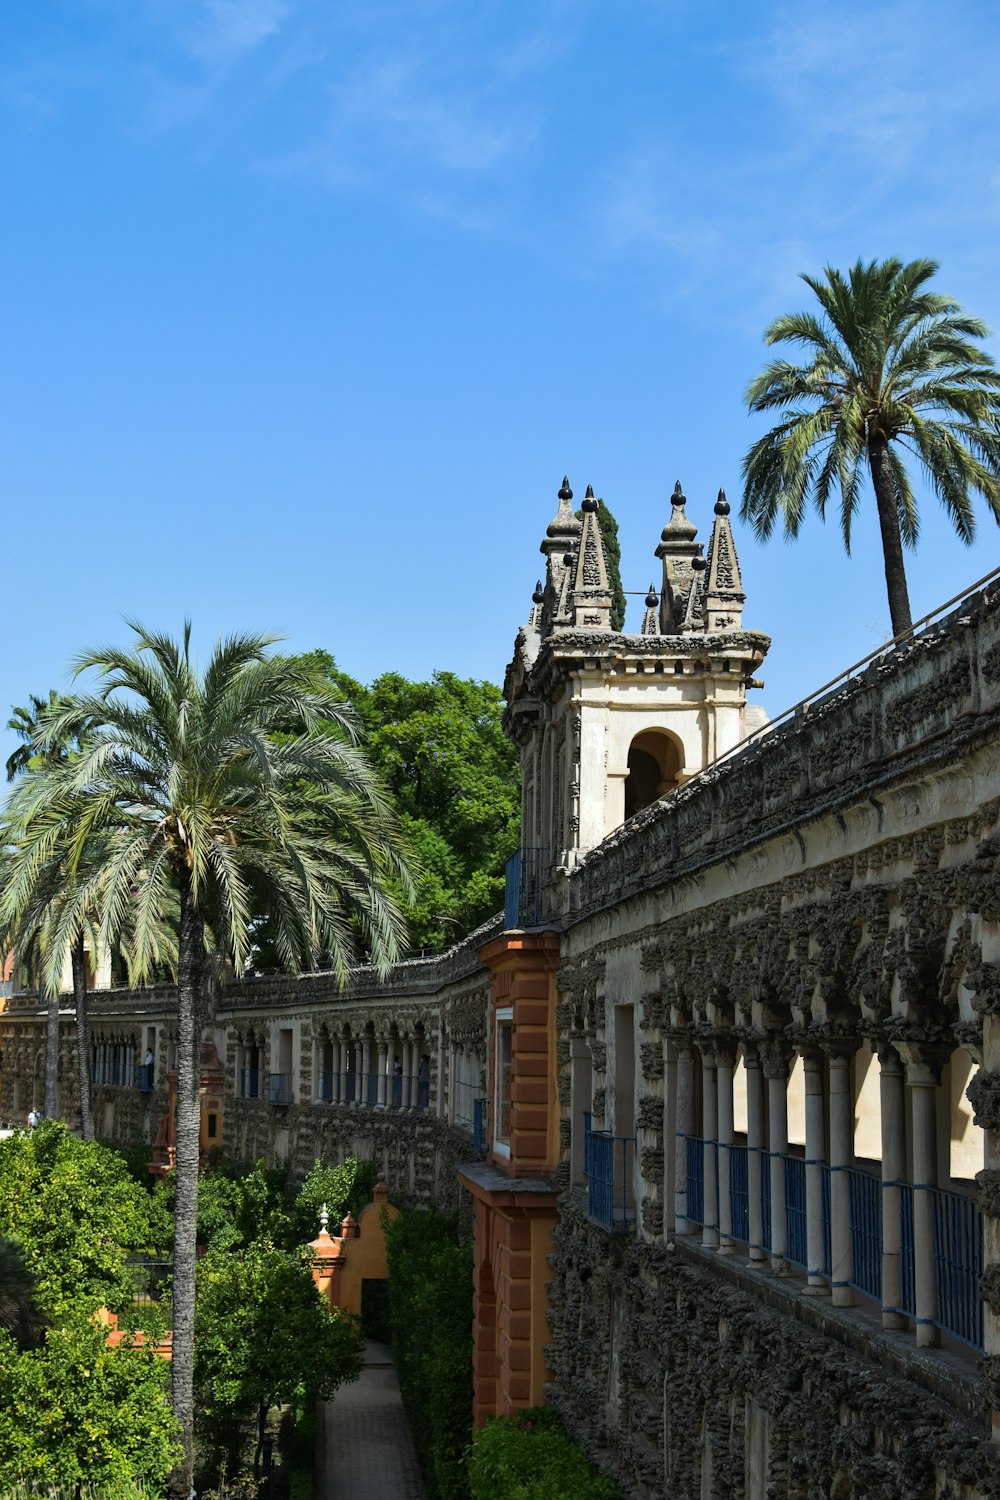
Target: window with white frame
503	1071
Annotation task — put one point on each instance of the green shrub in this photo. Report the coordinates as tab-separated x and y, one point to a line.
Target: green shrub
531	1457
430	1295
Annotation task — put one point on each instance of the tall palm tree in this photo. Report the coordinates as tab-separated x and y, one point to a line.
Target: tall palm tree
40	747
185	792
891	372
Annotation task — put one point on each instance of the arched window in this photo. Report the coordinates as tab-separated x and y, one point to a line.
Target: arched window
654	766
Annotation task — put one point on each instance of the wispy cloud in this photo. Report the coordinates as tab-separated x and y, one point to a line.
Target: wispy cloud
845	133
226	30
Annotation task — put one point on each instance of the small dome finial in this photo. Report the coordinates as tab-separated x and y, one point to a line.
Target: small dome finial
699	564
539	594
678	497
569	559
652	598
722	506
565	493
589	503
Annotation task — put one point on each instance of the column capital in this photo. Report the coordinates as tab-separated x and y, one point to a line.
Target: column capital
750	1040
924	1047
775	1055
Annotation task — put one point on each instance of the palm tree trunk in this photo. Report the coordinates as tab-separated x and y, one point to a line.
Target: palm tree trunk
892	542
51	1104
82	1038
190	956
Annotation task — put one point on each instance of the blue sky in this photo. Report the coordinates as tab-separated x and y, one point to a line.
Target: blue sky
311	303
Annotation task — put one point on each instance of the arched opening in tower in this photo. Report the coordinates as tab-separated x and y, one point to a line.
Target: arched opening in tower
654	767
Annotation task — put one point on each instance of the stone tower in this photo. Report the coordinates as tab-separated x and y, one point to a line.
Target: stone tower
608	722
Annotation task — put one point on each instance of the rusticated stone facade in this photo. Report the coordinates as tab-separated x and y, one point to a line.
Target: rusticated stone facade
685	1376
417	1124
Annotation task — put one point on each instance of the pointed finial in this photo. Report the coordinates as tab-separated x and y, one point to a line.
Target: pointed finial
652	598
538	596
565	494
678	497
324	1219
722	504
589	503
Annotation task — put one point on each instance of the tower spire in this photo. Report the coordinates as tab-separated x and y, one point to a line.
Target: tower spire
590	600
559	541
677	549
724	596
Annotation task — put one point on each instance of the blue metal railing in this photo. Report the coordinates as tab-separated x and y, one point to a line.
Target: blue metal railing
695	1179
609	1180
279	1088
739	1193
144	1078
958	1264
463	1101
523	892
907	1272
588	1130
325	1091
865	1197
480	1116
795	1209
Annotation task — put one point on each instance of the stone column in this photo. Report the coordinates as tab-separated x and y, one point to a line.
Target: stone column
439	1095
776	1057
725	1059
383	1054
345	1063
452	1063
841	1160
335	1094
892	1100
390	1070
366	1066
923	1071
404	1082
710	1137
669	1136
684	1128
812	1061
755	1150
414	1074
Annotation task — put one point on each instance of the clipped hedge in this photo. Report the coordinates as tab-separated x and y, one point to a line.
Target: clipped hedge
430	1295
531	1457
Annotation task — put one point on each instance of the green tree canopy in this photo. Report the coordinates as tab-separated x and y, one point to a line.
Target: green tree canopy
76	1214
439	748
264	1339
892	373
75	1411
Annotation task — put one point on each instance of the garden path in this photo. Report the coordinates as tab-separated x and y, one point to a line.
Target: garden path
365	1448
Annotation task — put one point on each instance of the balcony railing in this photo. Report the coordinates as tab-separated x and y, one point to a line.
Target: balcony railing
609	1178
523	895
144	1077
957	1221
279	1088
